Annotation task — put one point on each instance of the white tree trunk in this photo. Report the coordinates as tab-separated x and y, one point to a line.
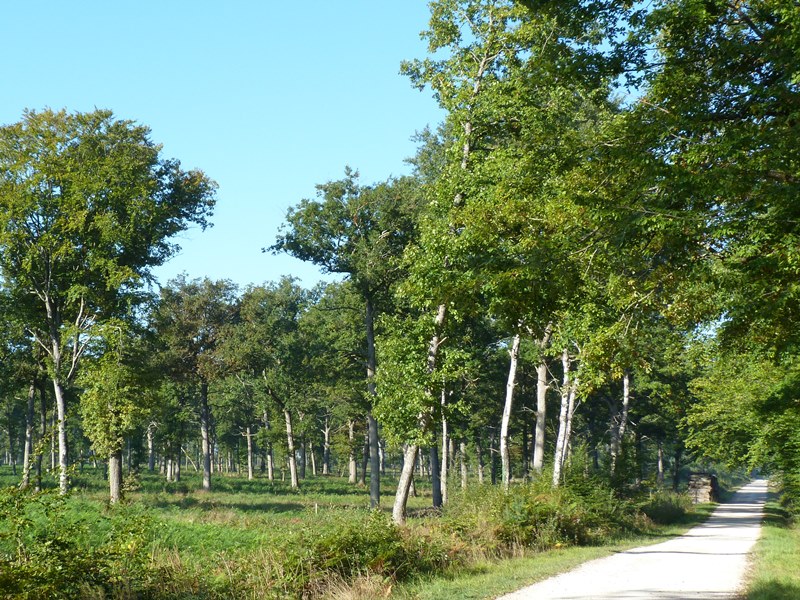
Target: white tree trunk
61	411
541	402
561	439
352	465
462	457
249	435
205	435
27	460
115	476
618	430
404	484
326	447
505	456
290	450
445	453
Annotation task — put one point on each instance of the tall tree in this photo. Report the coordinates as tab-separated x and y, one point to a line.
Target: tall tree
190	320
87	208
359	231
267	345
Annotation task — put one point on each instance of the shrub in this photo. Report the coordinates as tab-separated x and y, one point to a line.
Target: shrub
45	552
536	515
666	507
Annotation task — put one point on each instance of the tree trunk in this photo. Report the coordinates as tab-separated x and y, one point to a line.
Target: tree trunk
618	430
676	468
151	454
424	419
462	458
404	484
372	424
479	456
561	439
573	394
290	450
249	435
28	453
313	458
303	457
115	476
445	454
505	455
63	459
326	447
42	434
362	478
352	467
374	462
660	467
493	459
436	482
541	402
205	435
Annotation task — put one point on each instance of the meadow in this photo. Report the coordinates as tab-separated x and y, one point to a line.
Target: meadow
260	539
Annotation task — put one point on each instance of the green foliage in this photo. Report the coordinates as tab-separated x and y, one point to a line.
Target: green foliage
666	507
538	516
47	552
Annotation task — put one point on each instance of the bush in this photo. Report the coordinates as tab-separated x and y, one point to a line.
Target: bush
45	552
537	515
666	507
350	547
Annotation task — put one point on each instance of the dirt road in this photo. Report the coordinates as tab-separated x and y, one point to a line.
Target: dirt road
708	562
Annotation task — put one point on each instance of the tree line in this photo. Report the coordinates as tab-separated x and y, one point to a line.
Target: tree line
594	260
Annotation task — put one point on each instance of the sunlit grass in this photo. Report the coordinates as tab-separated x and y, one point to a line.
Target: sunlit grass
490	578
775	570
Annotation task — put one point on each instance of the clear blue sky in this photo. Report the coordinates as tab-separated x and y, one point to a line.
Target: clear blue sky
268	98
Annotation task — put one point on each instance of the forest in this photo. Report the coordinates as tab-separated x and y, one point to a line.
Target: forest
587	285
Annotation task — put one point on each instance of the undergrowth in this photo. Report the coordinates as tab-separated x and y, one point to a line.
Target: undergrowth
172	544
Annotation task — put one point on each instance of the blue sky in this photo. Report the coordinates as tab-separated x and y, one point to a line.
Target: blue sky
267	98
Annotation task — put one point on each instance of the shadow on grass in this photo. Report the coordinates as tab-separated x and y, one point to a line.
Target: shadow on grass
774	590
774	515
187	502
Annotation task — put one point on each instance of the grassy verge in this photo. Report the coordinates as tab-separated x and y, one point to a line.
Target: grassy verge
774	572
490	578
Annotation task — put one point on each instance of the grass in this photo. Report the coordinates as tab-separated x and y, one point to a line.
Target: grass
774	571
491	578
259	539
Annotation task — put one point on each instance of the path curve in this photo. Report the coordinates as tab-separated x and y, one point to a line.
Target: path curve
708	562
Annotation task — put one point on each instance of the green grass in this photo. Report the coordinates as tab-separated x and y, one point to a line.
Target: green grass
259	539
775	570
490	578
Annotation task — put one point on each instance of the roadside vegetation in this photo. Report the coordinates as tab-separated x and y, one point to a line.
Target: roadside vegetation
261	539
773	572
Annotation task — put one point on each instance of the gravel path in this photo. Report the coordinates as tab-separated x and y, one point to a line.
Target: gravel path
708	562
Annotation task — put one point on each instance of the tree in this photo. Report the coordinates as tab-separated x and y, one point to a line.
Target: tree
360	232
190	320
266	344
87	208
116	397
